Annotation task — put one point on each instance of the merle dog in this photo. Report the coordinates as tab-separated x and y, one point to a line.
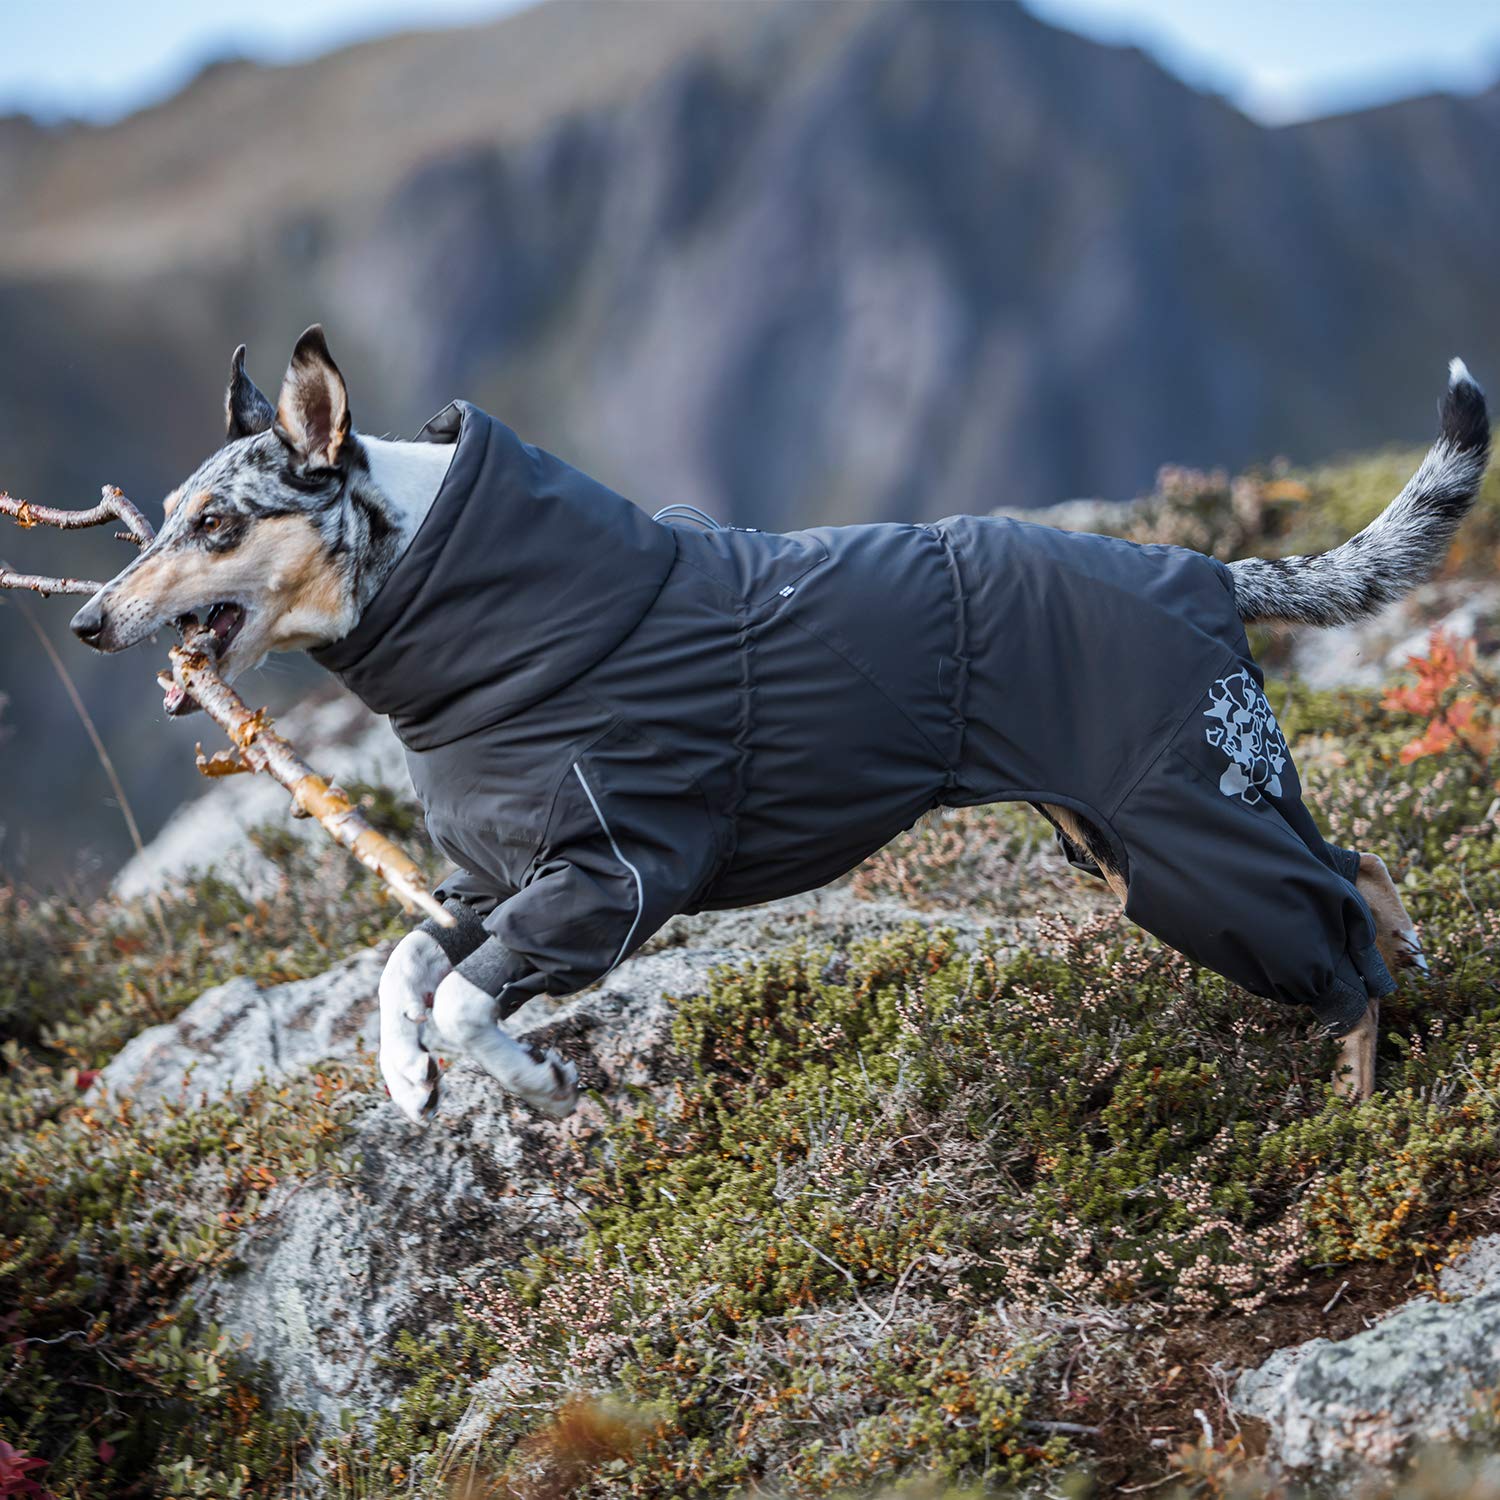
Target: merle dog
670	719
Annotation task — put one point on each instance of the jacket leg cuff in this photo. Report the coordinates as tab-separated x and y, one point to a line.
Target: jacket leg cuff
460	941
1345	861
1360	977
1342	1007
1372	970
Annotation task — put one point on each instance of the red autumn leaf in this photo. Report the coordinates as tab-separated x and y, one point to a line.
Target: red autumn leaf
16	1469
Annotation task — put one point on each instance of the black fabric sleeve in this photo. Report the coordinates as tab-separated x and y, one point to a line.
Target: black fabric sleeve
629	844
479	895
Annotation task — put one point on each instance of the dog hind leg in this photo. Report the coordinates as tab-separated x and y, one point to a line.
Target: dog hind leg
1354	1073
1400	946
1395	933
1084	836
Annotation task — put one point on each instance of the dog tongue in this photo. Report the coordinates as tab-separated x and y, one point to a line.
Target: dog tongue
175	701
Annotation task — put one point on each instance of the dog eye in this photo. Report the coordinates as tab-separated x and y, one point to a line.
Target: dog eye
210	522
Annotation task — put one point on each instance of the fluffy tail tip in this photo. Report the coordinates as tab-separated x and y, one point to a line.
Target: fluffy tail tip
1466	422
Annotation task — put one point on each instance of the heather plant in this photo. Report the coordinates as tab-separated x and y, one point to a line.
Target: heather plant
966	855
912	1215
896	1176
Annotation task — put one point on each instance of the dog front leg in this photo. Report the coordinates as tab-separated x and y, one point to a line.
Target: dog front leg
469	1017
417	966
412	974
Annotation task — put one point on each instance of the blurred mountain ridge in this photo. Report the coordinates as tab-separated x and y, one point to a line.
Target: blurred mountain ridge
791	262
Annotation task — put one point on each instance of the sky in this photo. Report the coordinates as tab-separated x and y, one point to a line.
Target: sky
1279	60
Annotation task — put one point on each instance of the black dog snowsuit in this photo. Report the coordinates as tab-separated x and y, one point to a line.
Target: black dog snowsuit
610	721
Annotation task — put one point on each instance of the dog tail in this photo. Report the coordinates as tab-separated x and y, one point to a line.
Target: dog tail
1399	549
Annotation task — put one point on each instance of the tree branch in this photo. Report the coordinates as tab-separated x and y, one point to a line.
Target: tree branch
196	680
112	506
262	749
39	584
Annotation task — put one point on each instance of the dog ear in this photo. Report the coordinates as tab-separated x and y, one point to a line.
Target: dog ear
312	412
246	411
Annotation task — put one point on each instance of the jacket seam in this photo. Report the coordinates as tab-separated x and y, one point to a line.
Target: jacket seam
963	663
830	644
1170	738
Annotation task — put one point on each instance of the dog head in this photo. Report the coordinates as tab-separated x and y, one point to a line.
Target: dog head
266	540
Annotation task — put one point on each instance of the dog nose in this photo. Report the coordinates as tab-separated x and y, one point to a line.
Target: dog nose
88	623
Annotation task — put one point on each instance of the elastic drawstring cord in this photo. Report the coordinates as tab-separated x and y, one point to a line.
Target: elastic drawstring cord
687	513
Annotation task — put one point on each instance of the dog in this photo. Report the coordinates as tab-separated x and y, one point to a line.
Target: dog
612	718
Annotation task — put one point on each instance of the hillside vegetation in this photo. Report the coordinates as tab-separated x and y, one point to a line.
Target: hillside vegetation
911	1208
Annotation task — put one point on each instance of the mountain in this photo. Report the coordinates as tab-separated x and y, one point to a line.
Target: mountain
791	262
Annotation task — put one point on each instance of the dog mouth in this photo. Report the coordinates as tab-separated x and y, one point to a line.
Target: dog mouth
225	621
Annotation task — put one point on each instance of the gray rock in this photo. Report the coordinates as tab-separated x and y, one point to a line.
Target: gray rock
1366	653
236	1033
1476	1270
1346	1410
335	1270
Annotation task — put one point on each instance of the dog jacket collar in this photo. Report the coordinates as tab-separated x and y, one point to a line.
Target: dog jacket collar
568	565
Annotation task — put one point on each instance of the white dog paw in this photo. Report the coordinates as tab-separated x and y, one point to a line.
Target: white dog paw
412	974
553	1088
467	1016
413	1080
